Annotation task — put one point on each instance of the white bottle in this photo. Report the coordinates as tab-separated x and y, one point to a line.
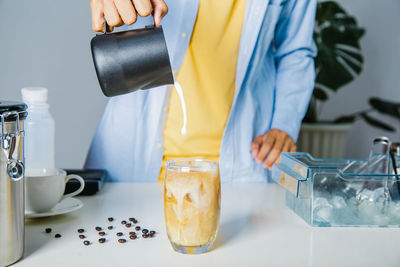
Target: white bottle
39	129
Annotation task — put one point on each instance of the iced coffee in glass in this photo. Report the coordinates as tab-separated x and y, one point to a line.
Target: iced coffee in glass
192	196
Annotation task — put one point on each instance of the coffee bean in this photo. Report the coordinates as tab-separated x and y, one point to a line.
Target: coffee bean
132	233
86	243
145	231
82	236
57	235
120	234
81	230
128	225
137	228
110	227
133	220
102	240
98	228
145	235
101	233
121	240
123	222
110	219
132	237
152	232
151	235
48	230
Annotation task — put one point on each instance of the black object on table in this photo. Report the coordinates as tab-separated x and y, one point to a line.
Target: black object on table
94	180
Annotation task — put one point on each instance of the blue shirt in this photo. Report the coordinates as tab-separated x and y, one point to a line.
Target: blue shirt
274	81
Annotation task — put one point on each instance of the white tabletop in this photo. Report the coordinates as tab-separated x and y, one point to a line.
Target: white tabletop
256	229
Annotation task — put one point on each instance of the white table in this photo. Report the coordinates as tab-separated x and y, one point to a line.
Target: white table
256	229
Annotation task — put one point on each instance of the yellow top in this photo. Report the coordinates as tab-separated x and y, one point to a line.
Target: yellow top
207	77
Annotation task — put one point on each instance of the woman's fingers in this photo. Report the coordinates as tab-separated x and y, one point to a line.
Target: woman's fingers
118	12
143	7
268	143
97	8
126	11
111	14
160	10
275	152
255	145
286	148
267	148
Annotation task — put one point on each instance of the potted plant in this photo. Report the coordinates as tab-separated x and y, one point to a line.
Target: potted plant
338	62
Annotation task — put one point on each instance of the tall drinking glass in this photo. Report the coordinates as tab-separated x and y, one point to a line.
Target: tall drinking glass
192	197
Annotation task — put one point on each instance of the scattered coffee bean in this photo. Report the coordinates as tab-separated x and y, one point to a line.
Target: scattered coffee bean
151	235
121	240
145	231
98	228
81	230
145	235
132	237
137	228
86	243
120	234
110	219
82	236
152	232
101	233
110	227
128	225
102	240
132	233
133	220
123	222
57	235
48	230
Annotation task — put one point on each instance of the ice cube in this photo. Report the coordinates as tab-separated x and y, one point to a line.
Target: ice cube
365	195
381	219
320	201
394	211
338	202
379	195
368	210
322	210
323	213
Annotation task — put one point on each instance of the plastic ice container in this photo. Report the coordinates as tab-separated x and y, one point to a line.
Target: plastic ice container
340	192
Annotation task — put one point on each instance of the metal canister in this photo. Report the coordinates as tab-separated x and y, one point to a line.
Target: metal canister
12	115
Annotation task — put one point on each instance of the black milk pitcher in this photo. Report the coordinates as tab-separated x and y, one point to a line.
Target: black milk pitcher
131	60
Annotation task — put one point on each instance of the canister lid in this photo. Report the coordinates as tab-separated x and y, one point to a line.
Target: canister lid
7	106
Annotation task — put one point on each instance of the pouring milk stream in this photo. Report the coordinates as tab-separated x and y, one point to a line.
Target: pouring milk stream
179	91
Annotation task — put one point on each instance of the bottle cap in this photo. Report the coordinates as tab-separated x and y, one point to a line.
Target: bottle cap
34	95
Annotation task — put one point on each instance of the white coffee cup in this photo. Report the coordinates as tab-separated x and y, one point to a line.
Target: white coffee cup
44	188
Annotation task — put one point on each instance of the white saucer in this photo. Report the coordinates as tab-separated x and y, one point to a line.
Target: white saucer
65	206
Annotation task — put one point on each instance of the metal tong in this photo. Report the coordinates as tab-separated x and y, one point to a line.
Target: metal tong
390	153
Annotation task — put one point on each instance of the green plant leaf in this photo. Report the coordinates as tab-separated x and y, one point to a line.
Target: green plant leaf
327	11
345	119
337	36
385	107
377	123
320	94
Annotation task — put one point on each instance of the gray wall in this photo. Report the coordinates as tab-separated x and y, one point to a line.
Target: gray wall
46	43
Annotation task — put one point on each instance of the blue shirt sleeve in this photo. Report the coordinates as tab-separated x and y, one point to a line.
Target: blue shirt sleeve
294	59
